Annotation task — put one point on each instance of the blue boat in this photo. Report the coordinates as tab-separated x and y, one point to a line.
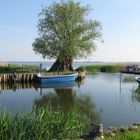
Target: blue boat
64	78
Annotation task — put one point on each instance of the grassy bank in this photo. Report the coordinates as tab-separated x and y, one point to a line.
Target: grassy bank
43	124
18	68
130	135
101	68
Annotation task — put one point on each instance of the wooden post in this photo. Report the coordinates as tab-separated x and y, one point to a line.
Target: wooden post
0	78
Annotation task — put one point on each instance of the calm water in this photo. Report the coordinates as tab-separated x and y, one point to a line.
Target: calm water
106	97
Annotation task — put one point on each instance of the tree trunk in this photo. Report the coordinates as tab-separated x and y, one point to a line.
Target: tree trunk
62	66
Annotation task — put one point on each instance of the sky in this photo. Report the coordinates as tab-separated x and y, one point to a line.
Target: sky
120	21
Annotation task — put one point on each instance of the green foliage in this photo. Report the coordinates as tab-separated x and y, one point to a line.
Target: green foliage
81	68
64	30
90	69
43	124
130	135
18	69
111	68
101	68
93	69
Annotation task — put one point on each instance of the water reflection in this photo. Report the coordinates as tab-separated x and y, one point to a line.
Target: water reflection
80	82
56	85
128	78
14	86
136	94
41	87
67	98
107	94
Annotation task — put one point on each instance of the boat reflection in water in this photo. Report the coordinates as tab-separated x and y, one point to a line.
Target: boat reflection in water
14	86
43	87
58	85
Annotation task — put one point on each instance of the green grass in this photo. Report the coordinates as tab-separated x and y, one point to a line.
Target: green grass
18	69
43	124
101	68
111	68
130	135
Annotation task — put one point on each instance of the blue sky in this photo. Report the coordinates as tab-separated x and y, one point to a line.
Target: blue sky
120	20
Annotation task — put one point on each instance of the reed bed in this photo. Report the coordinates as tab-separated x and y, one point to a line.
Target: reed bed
10	68
42	124
101	68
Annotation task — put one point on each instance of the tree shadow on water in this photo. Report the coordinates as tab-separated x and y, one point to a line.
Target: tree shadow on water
66	98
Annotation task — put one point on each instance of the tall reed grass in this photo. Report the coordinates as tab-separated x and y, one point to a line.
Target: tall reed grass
101	68
17	68
43	124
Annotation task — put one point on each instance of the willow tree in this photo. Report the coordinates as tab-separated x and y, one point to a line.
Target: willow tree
66	33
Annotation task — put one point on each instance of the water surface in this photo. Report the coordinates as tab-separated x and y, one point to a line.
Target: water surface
105	97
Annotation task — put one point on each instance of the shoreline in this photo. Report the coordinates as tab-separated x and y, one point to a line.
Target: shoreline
97	131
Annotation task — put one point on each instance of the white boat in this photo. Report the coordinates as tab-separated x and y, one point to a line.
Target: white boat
137	79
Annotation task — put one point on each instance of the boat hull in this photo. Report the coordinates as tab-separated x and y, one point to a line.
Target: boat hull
57	78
